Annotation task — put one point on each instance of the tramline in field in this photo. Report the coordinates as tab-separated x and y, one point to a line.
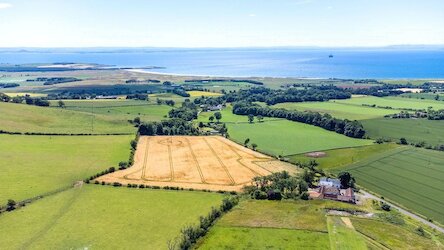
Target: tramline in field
201	162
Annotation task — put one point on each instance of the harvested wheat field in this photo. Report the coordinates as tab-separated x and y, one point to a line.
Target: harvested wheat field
199	162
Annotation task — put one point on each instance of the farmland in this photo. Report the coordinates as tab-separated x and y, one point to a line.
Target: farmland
304	225
337	158
210	162
414	130
104	217
120	110
338	110
27	118
33	165
394	102
282	137
409	176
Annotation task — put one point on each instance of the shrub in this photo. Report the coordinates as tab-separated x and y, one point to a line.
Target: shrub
385	207
116	184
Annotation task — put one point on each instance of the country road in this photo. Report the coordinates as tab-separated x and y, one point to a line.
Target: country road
403	211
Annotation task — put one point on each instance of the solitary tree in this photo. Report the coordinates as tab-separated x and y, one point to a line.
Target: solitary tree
260	118
11	205
254	146
247	141
250	118
346	180
403	141
218	116
211	118
61	104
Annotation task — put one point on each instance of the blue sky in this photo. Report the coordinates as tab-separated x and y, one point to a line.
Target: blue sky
219	23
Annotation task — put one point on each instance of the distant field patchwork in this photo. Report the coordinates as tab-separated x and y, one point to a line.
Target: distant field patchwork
409	176
200	162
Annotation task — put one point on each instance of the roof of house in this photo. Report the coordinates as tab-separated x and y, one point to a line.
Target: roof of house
335	181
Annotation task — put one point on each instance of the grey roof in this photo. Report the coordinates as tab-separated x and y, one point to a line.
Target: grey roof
336	181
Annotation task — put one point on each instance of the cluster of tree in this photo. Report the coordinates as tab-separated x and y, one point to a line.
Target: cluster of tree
278	186
9	85
166	102
134	81
347	180
271	96
137	96
181	92
407	115
187	112
175	126
190	234
54	80
226	80
435	114
349	128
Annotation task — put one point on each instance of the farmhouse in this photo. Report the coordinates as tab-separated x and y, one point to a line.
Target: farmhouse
331	189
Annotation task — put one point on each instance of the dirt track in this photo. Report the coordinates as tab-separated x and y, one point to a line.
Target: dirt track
199	162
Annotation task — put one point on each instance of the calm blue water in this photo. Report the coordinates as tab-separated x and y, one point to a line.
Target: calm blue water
346	63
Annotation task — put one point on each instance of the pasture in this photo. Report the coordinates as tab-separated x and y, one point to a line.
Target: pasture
394	102
120	110
282	137
204	162
104	217
337	158
409	176
414	130
28	118
338	110
33	165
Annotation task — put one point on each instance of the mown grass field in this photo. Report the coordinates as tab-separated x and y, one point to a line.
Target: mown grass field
33	165
300	224
409	176
394	102
282	137
414	130
28	118
120	110
337	158
343	236
104	217
338	110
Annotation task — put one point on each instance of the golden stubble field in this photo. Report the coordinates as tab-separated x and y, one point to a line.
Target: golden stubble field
199	162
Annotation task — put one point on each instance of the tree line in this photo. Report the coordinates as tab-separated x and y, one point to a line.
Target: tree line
174	126
346	127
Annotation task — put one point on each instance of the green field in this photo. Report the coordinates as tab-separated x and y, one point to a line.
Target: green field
342	236
409	176
337	158
300	224
120	110
27	118
392	236
414	130
428	96
104	217
394	102
33	165
338	110
282	137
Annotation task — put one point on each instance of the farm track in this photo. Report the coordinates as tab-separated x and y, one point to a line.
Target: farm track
195	161
220	161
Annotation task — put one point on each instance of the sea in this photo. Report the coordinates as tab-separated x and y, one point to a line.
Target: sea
364	63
